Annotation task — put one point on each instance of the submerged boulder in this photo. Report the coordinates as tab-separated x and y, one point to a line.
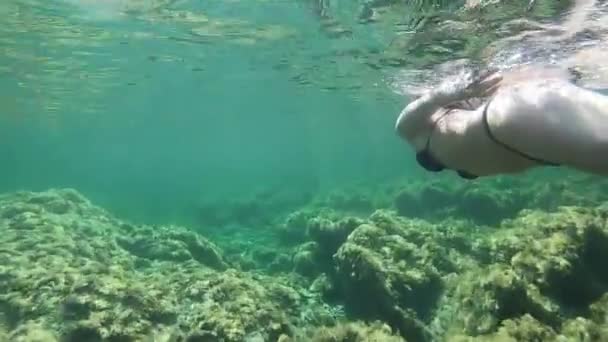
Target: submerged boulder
540	278
398	264
82	275
171	243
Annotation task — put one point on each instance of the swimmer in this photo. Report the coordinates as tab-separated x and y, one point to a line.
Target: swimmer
491	123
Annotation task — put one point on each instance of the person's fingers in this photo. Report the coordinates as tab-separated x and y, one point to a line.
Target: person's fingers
493	77
487	73
490	82
491	90
483	80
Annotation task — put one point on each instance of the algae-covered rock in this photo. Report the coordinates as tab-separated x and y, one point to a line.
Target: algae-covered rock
329	235
82	275
478	202
491	201
525	328
328	231
31	332
230	307
352	200
356	332
399	265
294	229
69	271
540	279
257	209
522	281
327	227
171	243
560	253
201	249
582	329
495	294
305	259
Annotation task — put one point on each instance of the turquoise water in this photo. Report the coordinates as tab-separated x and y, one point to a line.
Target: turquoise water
170	101
149	106
228	170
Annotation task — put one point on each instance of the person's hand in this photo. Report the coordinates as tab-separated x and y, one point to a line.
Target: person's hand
473	84
483	84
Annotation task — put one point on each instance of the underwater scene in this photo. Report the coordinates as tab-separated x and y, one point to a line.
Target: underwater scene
230	170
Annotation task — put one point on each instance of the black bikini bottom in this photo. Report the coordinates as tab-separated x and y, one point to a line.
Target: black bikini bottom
430	163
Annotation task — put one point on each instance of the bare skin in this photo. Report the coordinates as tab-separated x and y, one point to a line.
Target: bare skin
535	110
545	116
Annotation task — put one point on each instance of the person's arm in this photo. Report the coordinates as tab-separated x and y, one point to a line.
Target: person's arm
414	118
416	114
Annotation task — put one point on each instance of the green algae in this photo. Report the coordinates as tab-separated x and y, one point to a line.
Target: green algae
70	271
418	260
537	271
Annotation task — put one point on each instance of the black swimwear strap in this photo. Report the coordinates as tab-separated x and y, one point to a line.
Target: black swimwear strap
426	159
493	138
428	139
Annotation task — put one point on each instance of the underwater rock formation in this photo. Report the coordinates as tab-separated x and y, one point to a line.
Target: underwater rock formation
326	228
170	243
256	210
355	332
539	275
545	271
398	264
69	271
489	202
